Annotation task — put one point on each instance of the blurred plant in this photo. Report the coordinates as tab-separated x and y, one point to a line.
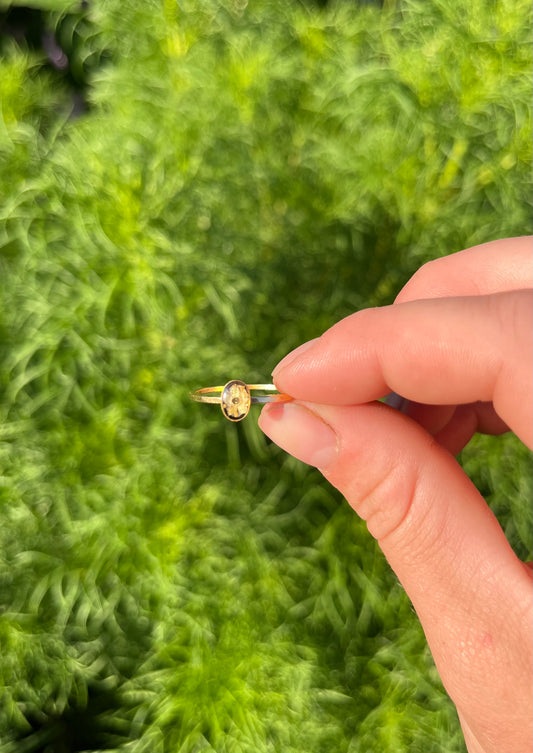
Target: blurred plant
244	175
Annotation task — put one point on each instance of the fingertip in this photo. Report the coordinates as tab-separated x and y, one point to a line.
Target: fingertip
293	356
300	432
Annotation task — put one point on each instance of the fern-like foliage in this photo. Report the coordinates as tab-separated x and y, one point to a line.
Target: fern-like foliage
241	176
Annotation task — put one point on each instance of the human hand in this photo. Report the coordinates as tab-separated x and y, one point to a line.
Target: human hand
458	346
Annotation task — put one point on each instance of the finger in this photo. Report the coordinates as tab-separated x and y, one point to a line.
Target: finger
489	268
432	418
458	431
472	595
443	351
454	426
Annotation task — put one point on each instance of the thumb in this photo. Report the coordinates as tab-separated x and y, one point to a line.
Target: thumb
471	593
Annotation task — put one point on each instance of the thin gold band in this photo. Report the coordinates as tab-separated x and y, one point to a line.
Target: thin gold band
235	399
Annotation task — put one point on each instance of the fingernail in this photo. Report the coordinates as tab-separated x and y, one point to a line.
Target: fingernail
300	432
293	355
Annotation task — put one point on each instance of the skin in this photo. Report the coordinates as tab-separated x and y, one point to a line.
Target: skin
457	345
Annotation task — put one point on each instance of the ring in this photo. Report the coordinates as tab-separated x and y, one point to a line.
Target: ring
235	398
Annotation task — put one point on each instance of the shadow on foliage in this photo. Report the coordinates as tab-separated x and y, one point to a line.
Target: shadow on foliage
93	723
62	42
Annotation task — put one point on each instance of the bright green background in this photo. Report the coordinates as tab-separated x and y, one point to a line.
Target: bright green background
244	175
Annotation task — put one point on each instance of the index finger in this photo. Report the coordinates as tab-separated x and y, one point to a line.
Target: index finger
440	351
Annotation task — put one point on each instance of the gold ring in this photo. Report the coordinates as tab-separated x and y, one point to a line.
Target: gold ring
235	398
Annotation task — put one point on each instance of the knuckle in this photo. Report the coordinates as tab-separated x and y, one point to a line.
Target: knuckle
512	313
386	502
399	512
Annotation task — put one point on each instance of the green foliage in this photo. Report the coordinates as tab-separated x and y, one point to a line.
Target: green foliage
245	175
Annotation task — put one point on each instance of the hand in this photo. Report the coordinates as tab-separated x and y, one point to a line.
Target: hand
458	346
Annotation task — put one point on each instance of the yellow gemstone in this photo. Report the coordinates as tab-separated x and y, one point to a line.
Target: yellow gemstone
236	400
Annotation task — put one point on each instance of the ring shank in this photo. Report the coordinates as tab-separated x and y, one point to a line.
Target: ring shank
279	398
205	394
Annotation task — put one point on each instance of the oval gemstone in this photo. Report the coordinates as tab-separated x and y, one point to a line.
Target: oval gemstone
236	400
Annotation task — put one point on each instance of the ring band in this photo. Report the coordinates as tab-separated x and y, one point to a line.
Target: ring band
235	398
